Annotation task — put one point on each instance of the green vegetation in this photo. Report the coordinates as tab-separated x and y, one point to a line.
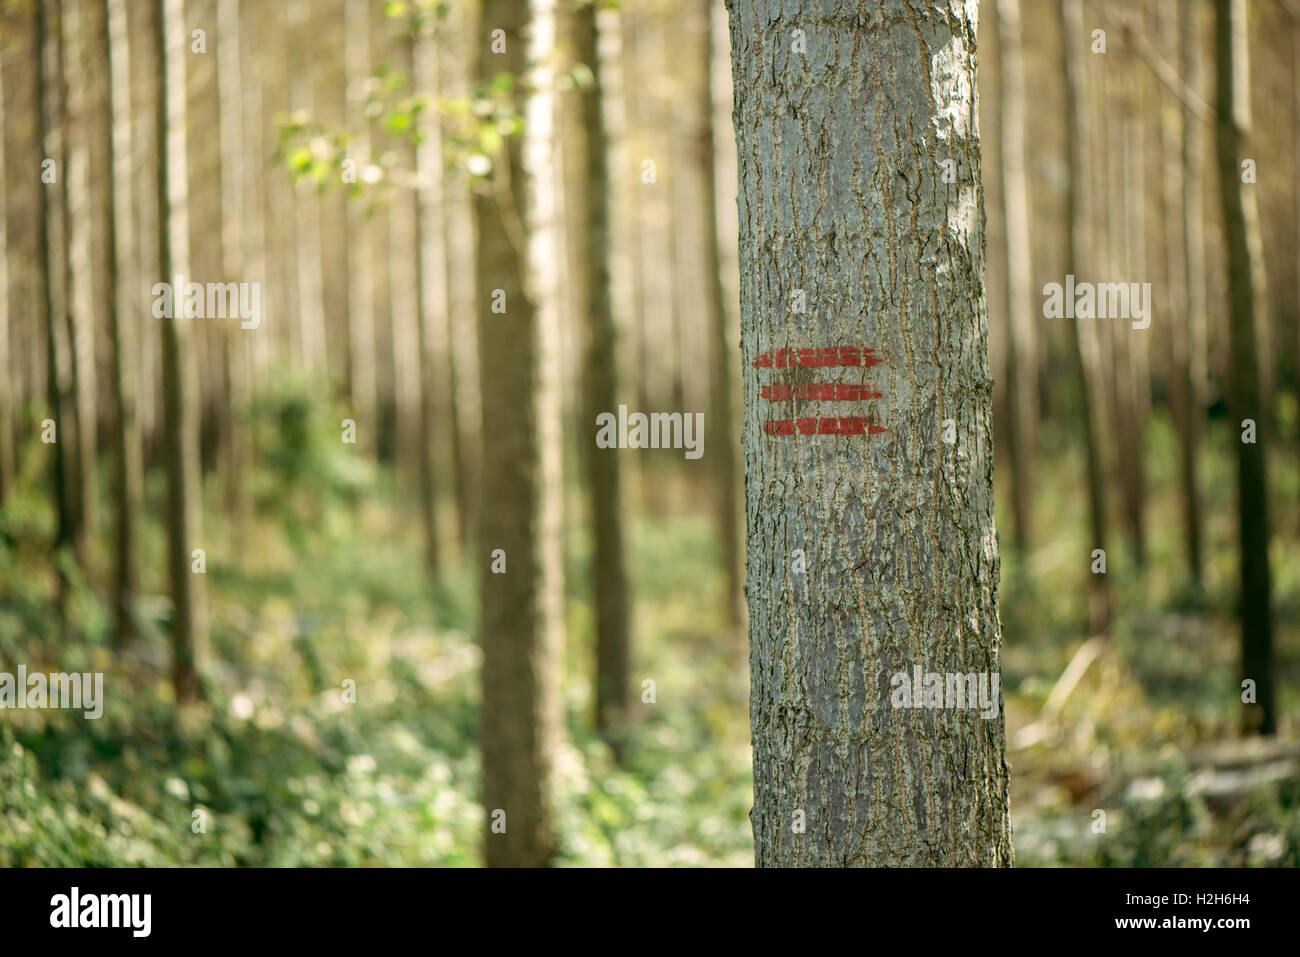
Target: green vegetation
327	585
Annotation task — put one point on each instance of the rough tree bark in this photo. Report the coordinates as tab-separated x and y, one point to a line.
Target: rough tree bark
1246	294
869	554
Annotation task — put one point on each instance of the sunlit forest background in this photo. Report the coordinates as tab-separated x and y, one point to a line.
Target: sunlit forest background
269	535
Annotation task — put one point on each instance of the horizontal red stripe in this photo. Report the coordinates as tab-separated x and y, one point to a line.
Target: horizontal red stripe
850	425
820	392
817	358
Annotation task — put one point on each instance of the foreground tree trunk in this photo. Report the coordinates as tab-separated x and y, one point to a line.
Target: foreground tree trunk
520	601
872	548
1246	294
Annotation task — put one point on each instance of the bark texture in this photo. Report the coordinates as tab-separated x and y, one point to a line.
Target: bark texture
844	114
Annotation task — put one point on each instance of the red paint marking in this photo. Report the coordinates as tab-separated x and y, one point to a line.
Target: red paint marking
820	392
850	425
851	356
818	358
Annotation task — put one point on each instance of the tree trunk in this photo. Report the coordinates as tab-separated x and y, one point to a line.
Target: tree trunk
1246	293
521	718
722	421
1182	196
431	300
585	150
1135	381
77	267
362	387
54	300
1080	261
7	469
179	446
872	547
236	448
1021	354
123	300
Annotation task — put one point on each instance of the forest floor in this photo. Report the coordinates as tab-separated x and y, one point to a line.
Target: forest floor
325	586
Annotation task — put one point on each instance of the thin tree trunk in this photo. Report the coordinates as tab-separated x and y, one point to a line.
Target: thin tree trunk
74	176
122	301
1182	237
1021	353
520	606
179	445
585	150
1080	261
871	550
1241	232
430	291
361	261
1136	381
723	448
7	471
50	236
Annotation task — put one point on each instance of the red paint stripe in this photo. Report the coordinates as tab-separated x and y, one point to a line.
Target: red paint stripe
850	425
820	392
818	358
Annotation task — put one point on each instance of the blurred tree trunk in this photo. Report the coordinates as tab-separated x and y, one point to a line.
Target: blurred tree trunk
180	447
123	300
76	281
306	201
868	554
462	369
521	717
1021	353
236	446
633	95
1079	258
1246	289
722	422
1135	379
7	381
362	387
1186	266
431	296
53	293
585	151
